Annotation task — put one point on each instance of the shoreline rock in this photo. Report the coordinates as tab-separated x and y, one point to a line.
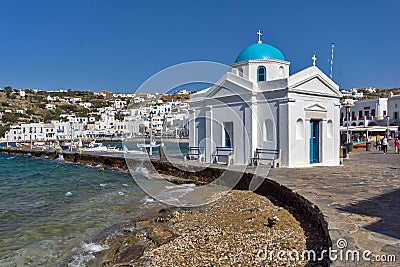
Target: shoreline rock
229	231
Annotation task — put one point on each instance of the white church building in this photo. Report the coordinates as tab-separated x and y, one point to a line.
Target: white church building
258	105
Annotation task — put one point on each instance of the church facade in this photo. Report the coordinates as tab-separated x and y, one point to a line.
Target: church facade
257	105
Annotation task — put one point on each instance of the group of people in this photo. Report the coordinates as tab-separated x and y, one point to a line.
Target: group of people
384	144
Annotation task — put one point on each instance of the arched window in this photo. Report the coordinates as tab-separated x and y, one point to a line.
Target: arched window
330	129
281	71
261	74
299	129
268	130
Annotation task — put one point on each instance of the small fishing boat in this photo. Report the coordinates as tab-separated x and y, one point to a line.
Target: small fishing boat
40	144
93	146
113	149
64	147
27	145
153	144
133	151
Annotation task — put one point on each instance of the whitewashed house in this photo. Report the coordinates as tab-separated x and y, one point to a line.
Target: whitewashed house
258	105
86	104
119	104
368	112
50	106
346	93
33	131
393	107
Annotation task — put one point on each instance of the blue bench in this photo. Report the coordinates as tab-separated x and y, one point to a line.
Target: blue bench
195	153
272	155
225	152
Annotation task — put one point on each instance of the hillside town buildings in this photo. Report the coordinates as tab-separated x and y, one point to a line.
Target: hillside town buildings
114	121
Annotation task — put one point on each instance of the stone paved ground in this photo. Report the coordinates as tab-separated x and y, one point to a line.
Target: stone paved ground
360	200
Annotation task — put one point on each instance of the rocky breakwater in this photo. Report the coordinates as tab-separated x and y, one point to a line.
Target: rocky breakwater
241	228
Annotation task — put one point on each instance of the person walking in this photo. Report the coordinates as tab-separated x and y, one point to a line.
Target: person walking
378	142
397	145
384	144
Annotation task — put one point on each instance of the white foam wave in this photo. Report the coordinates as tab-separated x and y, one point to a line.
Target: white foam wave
85	254
147	200
175	194
92	247
143	171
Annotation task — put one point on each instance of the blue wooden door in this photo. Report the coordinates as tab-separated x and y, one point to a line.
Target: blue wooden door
314	142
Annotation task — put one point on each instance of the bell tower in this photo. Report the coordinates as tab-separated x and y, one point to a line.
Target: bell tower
261	63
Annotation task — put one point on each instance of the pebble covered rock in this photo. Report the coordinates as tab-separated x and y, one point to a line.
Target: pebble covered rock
233	231
240	229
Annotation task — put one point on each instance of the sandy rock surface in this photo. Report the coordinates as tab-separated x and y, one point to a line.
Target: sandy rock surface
237	230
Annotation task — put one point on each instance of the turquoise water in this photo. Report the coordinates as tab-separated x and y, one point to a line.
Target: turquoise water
40	225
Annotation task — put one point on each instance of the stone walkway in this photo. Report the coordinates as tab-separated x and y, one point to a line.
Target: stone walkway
360	201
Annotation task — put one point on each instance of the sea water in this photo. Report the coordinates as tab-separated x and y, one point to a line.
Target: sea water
50	209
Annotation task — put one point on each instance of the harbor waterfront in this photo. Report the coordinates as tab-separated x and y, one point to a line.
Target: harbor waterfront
366	217
267	135
309	216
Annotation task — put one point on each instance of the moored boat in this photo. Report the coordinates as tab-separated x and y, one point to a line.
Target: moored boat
153	144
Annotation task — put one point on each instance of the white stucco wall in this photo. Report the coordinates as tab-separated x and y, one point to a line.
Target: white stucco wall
393	106
276	69
379	104
299	146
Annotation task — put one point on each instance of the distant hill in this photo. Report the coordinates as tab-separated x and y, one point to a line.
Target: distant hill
379	92
191	87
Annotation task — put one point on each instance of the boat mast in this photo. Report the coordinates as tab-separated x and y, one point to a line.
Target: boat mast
333	46
151	134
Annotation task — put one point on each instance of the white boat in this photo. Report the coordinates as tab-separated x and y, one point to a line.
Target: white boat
126	150
153	144
93	146
113	149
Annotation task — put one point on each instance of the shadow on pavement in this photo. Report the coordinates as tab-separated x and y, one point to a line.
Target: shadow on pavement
386	207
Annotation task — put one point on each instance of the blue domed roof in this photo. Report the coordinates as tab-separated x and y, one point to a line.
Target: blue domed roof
259	51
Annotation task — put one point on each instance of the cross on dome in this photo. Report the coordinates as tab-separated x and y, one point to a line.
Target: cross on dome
259	51
259	37
314	60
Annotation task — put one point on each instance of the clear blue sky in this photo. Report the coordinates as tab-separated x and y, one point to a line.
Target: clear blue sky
117	45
